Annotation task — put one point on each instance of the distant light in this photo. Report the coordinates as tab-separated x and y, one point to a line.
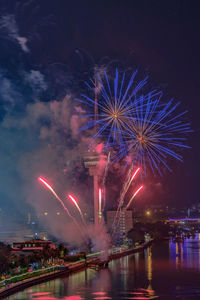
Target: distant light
58	213
184	219
148	213
45	213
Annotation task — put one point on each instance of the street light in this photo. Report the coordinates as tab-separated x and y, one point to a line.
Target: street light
148	213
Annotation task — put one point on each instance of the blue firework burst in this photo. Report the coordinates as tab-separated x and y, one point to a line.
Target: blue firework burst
155	134
136	126
112	112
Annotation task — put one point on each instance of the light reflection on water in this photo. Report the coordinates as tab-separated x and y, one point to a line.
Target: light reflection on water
186	254
166	271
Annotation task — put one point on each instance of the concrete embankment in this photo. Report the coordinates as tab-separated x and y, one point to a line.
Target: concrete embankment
18	286
130	251
71	268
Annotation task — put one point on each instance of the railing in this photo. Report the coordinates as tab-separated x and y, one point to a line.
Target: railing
26	275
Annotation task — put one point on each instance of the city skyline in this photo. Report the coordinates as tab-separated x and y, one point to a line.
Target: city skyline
39	82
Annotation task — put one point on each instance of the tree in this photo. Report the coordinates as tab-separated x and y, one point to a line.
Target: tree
4	257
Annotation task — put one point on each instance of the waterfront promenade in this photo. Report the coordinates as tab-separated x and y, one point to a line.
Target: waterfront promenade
68	268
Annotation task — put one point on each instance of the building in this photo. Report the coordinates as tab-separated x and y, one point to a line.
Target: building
96	163
125	221
31	246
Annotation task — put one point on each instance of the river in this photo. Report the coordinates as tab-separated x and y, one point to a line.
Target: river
165	271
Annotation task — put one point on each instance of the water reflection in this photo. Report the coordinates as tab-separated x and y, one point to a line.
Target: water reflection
186	254
147	275
102	286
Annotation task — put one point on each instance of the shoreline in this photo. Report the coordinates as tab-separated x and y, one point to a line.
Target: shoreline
76	267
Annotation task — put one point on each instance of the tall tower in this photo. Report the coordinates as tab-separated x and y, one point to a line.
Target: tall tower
95	162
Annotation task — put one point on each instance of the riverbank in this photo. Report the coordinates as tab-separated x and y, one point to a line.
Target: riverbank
67	270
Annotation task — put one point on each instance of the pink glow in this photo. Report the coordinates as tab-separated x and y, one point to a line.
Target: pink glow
41	294
61	202
46	298
51	189
99	293
104	297
99	148
139	298
100	199
73	298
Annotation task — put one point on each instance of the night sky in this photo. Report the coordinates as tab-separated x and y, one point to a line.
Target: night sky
48	48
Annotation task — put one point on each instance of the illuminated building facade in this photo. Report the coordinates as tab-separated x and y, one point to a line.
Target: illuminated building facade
32	245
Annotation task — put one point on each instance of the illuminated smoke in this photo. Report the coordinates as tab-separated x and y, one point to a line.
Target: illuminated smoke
58	198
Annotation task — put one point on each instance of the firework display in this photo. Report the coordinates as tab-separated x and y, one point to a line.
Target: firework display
122	196
127	186
130	181
115	106
135	125
134	128
155	134
58	198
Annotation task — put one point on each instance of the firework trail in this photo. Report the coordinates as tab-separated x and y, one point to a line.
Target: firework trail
121	200
139	189
104	180
130	181
127	185
100	203
49	187
78	207
58	198
120	203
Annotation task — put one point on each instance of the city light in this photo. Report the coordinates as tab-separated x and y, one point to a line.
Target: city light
100	200
90	207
